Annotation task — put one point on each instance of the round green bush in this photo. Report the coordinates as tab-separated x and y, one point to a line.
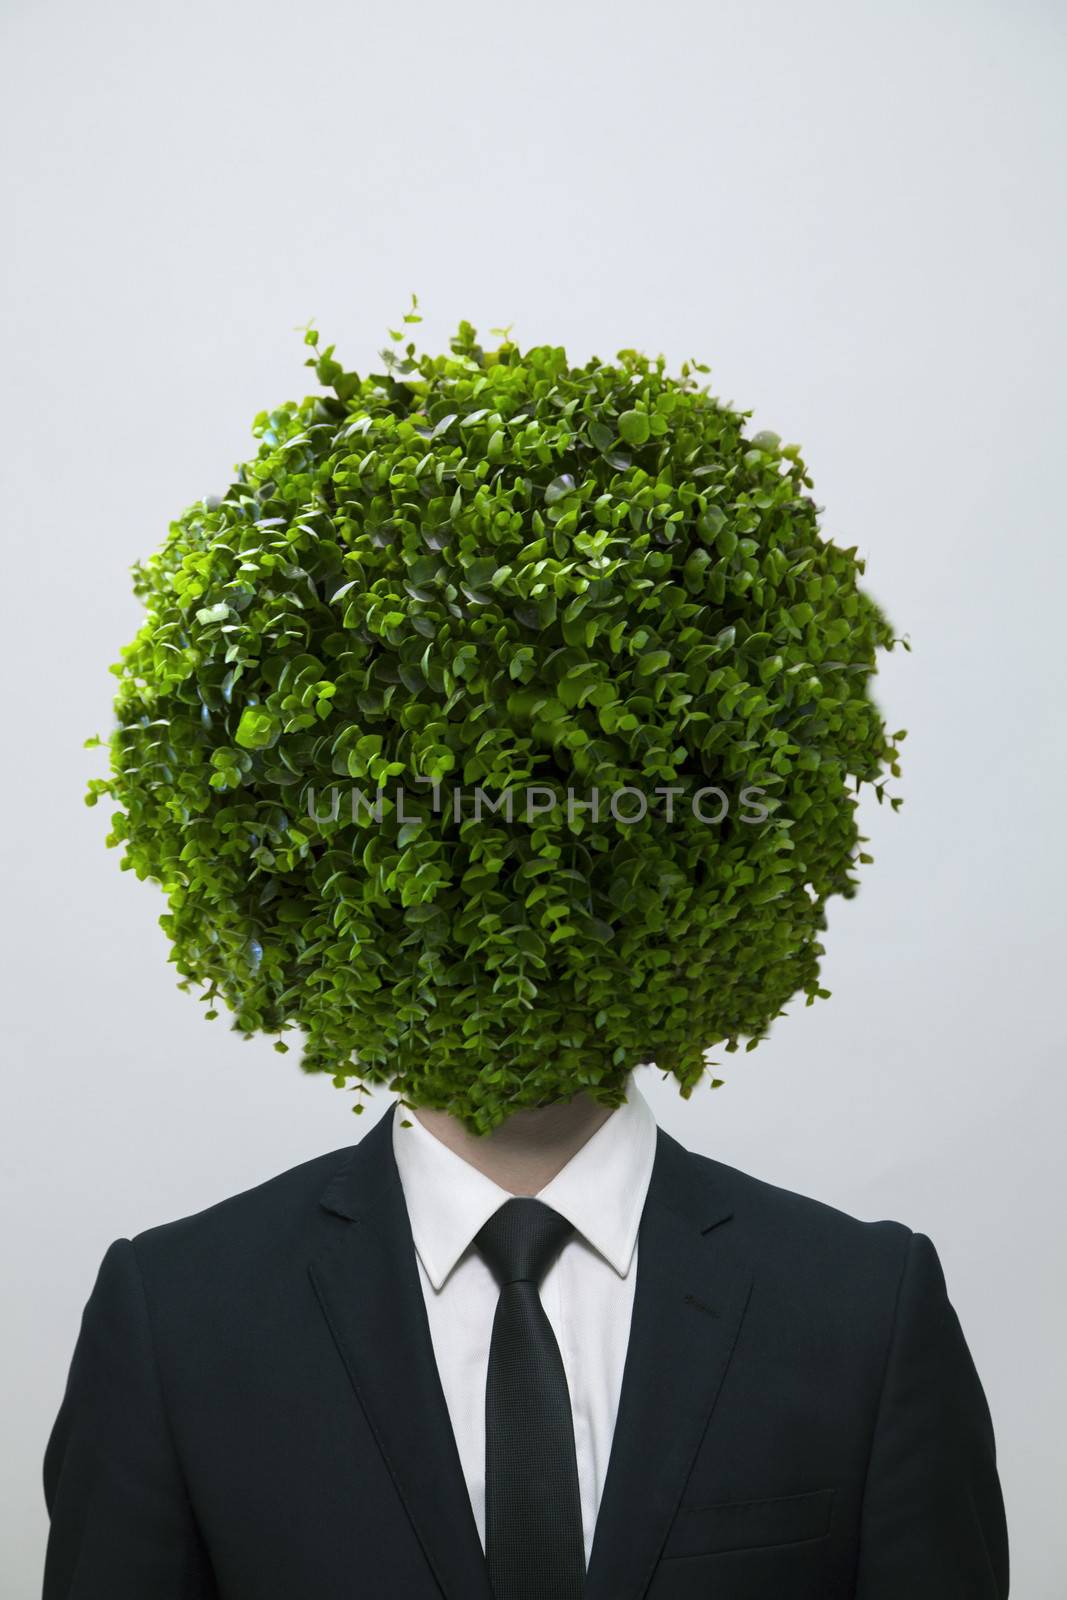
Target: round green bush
487	574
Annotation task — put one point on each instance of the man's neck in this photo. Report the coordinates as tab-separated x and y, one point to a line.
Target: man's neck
526	1151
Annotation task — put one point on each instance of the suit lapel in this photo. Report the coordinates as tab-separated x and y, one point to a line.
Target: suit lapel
689	1301
366	1279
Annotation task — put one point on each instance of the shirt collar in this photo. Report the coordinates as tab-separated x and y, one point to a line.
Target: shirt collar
601	1190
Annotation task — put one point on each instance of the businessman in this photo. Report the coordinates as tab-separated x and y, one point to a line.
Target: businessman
570	1358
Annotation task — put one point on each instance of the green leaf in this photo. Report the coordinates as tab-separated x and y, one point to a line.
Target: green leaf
559	488
634	427
257	729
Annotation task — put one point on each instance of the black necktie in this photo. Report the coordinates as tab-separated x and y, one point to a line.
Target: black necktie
534	1546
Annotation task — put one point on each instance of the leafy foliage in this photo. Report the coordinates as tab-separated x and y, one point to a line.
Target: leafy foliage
492	568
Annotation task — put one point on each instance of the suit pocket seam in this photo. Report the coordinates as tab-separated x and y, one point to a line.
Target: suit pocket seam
741	1549
755	1505
744	1538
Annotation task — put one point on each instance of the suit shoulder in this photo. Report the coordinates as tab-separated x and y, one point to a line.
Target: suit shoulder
271	1209
787	1222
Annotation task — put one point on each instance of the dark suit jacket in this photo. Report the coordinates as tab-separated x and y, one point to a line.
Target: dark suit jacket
253	1410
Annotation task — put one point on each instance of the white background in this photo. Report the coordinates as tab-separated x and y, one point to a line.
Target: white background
855	214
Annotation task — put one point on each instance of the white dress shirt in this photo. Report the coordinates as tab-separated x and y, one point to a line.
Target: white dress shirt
587	1293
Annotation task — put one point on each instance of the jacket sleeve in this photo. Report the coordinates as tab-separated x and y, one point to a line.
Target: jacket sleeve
122	1527
933	1523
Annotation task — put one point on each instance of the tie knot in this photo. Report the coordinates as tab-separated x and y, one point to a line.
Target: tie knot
522	1239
